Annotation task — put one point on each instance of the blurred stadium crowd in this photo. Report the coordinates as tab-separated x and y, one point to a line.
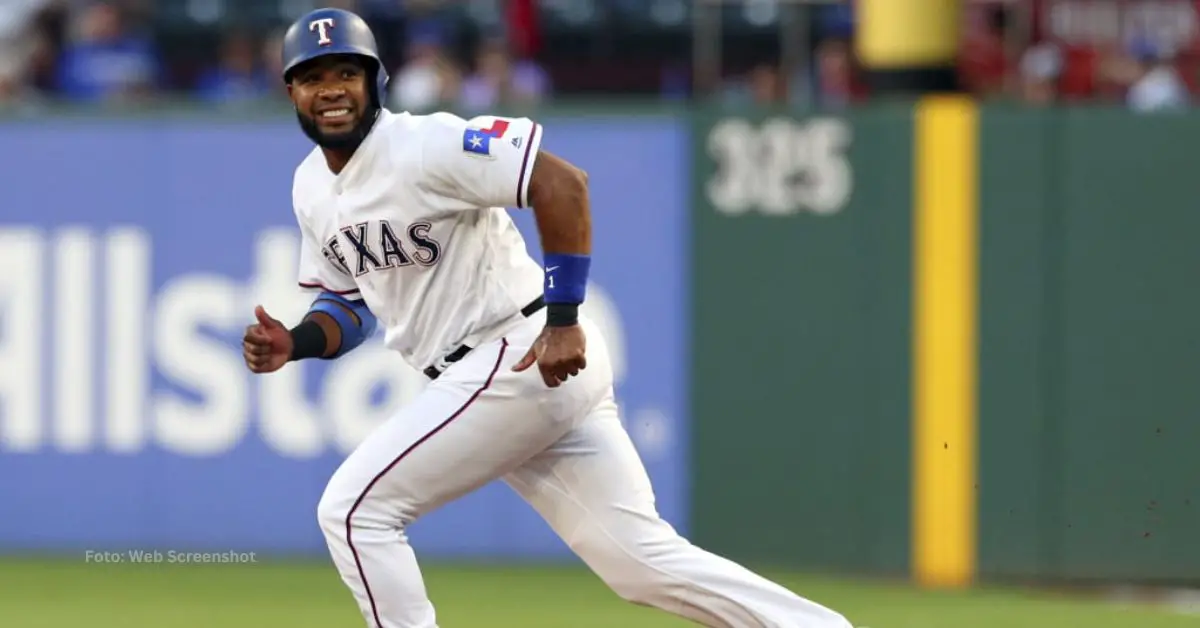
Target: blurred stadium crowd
473	55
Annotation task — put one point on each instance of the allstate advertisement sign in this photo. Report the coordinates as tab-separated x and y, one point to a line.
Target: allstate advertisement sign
135	252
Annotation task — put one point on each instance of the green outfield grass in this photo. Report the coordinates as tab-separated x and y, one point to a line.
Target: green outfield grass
37	593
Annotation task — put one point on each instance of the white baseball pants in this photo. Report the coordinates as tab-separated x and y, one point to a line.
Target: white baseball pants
566	453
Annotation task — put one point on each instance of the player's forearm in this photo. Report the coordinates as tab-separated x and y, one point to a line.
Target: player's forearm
559	195
332	327
317	336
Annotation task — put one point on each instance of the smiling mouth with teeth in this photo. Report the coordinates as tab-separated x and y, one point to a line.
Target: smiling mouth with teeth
335	113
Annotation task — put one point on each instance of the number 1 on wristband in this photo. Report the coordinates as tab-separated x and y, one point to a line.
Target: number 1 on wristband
566	278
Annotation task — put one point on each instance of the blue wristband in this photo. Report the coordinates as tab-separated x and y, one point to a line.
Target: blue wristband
566	278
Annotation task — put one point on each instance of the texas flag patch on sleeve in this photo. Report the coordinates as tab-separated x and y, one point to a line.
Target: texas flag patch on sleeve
479	141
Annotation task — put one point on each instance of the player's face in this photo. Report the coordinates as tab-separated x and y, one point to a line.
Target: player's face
332	93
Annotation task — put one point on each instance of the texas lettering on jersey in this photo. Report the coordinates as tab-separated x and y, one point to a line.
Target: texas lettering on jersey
377	245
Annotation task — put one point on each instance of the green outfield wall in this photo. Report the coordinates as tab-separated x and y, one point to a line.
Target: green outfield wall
800	337
958	354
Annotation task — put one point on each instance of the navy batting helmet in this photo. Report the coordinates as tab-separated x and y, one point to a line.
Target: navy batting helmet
332	32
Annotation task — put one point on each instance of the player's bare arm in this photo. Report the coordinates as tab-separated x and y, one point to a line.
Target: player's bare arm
558	193
332	327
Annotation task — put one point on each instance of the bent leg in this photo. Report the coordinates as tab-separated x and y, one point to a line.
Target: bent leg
466	429
592	488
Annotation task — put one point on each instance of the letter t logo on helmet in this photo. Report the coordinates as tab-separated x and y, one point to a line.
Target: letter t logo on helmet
312	36
322	27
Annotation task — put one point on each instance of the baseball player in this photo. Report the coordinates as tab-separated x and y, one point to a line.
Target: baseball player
403	226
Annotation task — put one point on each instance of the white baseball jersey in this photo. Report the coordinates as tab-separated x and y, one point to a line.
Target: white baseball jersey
415	225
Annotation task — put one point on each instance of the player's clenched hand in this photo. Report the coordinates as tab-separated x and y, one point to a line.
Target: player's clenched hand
267	344
558	353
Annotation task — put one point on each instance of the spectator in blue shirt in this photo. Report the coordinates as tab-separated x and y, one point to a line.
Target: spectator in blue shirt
237	78
104	62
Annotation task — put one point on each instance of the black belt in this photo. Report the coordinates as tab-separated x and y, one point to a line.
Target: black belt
461	352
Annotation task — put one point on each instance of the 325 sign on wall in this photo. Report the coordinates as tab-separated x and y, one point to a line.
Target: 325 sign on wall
779	167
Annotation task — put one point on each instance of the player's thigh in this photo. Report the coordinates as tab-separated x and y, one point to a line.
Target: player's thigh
458	434
591	477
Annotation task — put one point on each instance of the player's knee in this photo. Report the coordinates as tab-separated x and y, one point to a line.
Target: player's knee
345	506
642	587
632	578
630	567
333	510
